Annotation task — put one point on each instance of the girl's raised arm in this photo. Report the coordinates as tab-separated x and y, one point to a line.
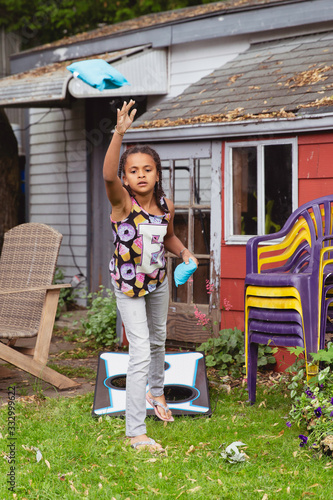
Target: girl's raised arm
114	188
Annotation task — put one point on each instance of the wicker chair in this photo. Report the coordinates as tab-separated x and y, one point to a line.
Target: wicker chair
28	300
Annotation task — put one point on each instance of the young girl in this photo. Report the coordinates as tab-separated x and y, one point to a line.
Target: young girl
142	223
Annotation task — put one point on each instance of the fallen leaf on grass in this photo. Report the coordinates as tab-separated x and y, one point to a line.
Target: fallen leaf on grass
265	497
190	450
194	490
307	493
62	476
154	490
190	479
72	487
47	463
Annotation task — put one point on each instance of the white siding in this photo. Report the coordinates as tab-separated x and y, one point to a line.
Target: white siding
191	61
58	180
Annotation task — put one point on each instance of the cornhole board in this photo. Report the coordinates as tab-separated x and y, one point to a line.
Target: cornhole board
185	384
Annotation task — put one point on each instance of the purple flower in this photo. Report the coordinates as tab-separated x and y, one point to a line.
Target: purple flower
318	412
309	394
331	401
331	414
303	439
288	424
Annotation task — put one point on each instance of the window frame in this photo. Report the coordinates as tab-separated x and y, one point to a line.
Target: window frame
231	238
189	209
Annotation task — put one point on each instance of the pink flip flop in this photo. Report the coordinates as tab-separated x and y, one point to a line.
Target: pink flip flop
155	404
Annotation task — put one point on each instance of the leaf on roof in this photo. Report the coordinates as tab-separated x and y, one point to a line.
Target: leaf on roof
208	101
233	78
234	115
309	77
324	101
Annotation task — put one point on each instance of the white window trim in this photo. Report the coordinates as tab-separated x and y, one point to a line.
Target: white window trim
230	238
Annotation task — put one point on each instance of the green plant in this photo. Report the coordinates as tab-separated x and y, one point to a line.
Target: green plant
100	324
226	353
312	402
66	296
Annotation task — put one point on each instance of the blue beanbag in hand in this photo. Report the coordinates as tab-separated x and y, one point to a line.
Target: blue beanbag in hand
183	272
98	74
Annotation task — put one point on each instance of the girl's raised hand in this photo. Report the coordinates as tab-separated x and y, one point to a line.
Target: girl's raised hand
125	117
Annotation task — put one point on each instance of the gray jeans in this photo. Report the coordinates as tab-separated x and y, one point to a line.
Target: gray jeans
145	320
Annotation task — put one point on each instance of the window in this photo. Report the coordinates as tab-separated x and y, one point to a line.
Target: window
260	187
188	183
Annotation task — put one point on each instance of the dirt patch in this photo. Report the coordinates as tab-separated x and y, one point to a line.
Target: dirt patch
62	354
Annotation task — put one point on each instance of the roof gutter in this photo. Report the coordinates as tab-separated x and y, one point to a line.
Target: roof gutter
264	127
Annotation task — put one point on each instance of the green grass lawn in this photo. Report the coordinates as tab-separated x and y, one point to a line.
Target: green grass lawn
85	457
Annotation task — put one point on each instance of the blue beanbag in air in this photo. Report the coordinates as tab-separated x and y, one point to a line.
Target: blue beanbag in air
98	74
183	272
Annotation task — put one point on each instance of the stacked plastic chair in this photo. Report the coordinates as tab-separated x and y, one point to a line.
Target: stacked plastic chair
288	286
325	322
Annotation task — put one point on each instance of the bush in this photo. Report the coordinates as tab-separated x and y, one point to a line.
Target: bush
226	353
101	322
312	402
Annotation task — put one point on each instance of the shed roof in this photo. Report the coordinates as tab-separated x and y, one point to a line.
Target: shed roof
49	84
275	79
162	18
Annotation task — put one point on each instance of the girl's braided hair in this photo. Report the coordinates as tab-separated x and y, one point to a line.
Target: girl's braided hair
144	149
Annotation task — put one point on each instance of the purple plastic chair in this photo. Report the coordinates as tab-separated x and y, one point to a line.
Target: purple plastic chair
307	230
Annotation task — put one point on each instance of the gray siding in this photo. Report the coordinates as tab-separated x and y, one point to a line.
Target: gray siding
58	180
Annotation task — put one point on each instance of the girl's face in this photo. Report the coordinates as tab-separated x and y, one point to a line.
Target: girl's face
140	173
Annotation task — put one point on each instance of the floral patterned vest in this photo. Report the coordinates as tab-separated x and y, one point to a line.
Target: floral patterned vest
138	264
